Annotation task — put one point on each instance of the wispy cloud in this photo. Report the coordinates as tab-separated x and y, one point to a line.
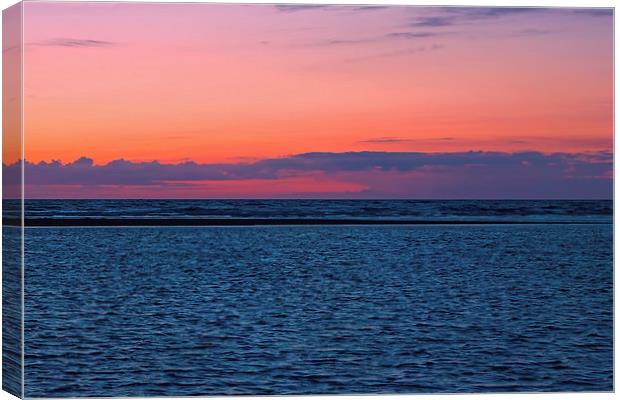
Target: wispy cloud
374	39
596	12
369	8
474	13
340	42
411	35
11	49
394	139
432	22
451	16
75	43
385	139
530	32
289	8
396	53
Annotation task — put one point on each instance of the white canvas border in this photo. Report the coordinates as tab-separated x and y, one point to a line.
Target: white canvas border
541	3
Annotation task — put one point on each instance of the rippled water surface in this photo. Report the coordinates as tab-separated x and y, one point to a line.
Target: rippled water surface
340	309
520	210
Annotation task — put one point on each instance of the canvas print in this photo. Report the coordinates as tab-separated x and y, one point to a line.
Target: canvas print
272	199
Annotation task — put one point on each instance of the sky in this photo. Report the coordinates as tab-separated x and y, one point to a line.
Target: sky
123	100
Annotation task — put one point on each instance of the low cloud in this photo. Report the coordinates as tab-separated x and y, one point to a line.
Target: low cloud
382	174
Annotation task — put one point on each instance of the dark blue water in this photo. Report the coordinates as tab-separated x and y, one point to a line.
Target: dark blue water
537	210
12	310
325	309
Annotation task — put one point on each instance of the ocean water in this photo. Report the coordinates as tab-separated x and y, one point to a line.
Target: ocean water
11	310
130	311
420	210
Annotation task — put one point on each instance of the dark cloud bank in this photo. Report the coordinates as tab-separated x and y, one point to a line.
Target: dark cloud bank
384	174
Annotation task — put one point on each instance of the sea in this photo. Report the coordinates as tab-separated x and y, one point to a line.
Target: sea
492	296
